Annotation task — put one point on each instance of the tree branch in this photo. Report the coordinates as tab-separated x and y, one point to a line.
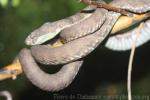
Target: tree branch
108	7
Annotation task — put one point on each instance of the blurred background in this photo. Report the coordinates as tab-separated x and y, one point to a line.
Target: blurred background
103	74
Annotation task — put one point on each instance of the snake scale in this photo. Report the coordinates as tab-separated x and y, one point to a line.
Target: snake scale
73	50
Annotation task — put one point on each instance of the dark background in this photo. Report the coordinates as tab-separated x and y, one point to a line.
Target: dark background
103	73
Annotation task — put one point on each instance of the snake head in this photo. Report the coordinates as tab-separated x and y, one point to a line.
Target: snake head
39	36
31	40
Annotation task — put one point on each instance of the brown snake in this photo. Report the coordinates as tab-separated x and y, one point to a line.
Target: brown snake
87	26
31	74
50	29
50	55
59	55
48	82
36	76
74	32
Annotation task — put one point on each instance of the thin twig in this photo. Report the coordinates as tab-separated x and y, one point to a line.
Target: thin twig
131	62
10	71
108	7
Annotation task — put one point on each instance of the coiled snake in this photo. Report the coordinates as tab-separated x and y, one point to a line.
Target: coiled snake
100	23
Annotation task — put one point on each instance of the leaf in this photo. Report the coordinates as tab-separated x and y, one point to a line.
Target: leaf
4	3
15	3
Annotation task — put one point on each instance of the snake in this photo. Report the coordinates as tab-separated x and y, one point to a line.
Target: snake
68	72
36	75
82	50
135	6
76	51
50	29
49	55
59	80
45	81
87	26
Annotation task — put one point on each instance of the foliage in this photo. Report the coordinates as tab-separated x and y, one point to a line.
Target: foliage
5	3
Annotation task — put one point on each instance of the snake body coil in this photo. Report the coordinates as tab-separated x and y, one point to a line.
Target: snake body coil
36	75
50	29
76	53
45	81
85	27
57	81
135	6
54	56
69	52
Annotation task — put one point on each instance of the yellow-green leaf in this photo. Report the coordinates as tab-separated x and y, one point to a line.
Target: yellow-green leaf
15	3
4	2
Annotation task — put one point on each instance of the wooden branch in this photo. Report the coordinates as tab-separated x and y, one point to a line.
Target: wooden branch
108	7
12	70
125	21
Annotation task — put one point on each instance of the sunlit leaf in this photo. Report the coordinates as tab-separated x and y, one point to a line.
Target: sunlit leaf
4	2
15	3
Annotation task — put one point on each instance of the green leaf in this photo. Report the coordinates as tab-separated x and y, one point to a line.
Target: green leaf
15	3
4	2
